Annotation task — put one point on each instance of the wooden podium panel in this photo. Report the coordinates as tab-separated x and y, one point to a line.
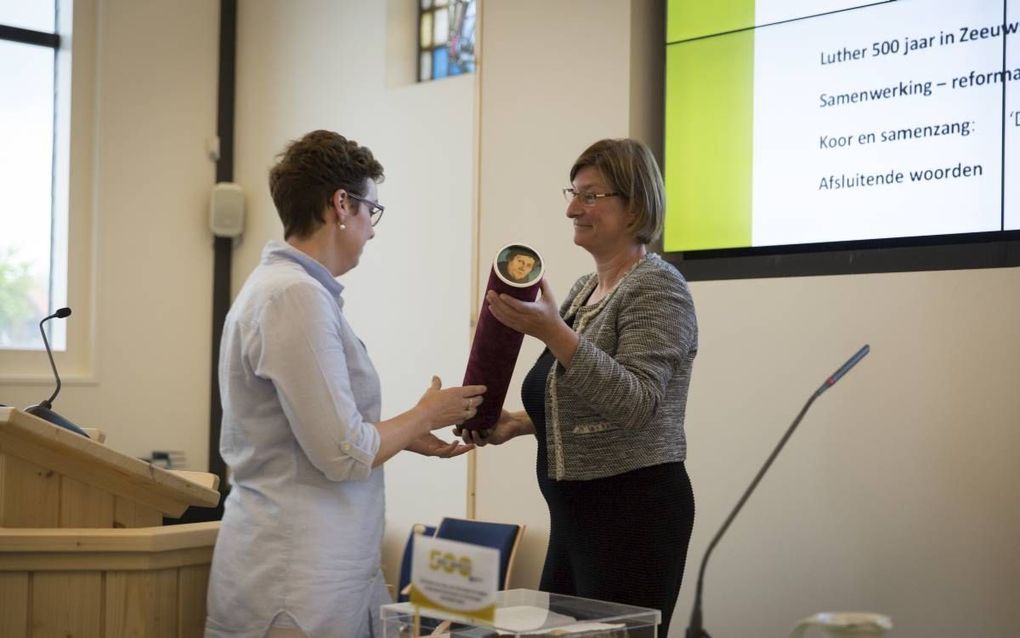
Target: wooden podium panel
105	582
50	477
82	552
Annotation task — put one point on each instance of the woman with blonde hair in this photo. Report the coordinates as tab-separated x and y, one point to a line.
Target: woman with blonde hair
607	397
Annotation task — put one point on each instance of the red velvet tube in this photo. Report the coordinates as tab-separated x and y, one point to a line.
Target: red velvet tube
495	347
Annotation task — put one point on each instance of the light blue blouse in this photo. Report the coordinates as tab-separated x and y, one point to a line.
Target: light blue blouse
303	524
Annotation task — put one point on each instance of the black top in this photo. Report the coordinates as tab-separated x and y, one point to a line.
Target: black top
533	397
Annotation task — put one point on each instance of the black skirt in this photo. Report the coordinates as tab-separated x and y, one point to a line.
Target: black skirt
620	538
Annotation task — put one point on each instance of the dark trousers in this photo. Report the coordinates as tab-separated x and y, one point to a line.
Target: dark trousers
622	538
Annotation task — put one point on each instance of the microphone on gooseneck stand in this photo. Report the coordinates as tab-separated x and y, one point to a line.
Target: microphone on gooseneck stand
695	628
42	410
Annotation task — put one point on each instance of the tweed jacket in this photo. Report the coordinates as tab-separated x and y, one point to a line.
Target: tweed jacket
620	405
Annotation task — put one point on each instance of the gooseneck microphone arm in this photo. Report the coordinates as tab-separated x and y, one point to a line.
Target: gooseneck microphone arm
695	628
43	408
59	314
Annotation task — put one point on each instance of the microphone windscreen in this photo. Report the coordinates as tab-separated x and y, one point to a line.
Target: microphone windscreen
516	271
62	313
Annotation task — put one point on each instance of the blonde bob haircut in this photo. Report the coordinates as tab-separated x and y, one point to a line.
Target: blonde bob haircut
630	170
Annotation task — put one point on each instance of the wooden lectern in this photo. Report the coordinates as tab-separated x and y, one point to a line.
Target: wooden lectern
82	549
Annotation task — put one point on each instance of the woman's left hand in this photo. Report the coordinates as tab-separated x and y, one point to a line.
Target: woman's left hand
539	318
432	445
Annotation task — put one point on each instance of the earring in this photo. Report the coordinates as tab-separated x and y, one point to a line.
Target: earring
343	227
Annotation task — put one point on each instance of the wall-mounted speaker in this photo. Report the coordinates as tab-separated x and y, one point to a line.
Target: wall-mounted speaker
226	210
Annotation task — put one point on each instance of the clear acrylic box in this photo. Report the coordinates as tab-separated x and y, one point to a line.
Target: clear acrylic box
529	613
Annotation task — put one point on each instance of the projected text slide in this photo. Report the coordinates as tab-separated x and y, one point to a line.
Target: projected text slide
887	120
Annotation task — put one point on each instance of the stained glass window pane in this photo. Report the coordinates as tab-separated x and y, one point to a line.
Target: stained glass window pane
442	27
440	58
426	30
462	38
36	15
448	25
425	66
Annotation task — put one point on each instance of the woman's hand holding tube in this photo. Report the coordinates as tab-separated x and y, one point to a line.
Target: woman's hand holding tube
451	406
437	408
540	319
509	425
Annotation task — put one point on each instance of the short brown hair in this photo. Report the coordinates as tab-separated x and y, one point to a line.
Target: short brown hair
631	170
310	170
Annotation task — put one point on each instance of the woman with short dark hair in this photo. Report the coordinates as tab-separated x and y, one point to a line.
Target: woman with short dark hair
298	552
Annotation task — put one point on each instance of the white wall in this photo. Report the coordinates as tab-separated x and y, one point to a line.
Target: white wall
341	66
895	495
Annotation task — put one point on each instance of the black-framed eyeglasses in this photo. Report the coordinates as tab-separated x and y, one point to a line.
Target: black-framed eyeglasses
375	209
587	198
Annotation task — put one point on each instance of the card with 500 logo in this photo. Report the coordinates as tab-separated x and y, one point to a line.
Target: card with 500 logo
459	580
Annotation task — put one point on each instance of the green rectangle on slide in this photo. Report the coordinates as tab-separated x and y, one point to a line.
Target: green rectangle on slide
687	19
708	151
